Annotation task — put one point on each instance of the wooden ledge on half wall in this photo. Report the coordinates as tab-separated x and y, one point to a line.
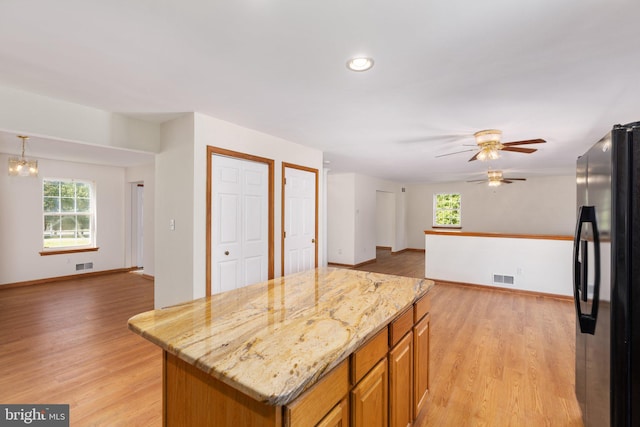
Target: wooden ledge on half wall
454	232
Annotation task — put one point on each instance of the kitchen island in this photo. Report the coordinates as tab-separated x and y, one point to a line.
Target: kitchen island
328	345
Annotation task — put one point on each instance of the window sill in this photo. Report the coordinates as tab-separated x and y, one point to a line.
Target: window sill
453	227
67	251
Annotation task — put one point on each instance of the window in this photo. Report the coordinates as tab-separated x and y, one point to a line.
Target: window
68	210
447	210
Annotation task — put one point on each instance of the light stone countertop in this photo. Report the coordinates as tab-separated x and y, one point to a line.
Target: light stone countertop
275	339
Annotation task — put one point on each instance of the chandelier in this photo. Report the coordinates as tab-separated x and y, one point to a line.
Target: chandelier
20	166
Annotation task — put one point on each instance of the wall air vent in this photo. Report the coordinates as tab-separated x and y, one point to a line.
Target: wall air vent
84	266
501	279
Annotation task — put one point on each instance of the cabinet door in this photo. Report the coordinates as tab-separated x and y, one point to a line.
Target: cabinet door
401	383
338	417
421	364
369	398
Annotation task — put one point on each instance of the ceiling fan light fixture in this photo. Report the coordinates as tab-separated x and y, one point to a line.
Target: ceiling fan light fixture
489	135
488	152
21	166
489	143
360	63
495	178
493	174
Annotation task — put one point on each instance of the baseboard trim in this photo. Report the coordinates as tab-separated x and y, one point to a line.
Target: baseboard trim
407	250
497	288
69	277
335	264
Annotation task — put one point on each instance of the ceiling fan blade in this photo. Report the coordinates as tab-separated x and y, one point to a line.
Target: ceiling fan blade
456	152
506	181
516	179
474	157
520	150
478	180
435	138
526	141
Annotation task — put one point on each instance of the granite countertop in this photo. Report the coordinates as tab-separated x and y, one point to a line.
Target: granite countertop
275	339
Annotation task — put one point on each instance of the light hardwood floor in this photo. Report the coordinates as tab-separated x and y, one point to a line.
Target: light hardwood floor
497	358
68	342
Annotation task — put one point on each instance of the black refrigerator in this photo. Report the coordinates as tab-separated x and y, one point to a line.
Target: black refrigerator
606	272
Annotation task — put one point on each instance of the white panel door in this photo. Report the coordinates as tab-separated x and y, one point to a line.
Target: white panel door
239	223
300	220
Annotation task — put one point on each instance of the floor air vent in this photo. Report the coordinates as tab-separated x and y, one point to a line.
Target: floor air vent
501	279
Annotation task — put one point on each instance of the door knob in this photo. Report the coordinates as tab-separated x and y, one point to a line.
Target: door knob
313	240
226	252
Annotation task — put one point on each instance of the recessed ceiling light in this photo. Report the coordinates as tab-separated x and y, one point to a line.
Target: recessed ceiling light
359	64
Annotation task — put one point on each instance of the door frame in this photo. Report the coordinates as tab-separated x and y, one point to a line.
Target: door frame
211	151
315	231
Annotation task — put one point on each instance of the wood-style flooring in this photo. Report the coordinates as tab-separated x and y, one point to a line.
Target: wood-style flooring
68	343
497	358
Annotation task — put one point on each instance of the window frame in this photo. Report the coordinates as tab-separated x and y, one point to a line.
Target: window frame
91	212
436	210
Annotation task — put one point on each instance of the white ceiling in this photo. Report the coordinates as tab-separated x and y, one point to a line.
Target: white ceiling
562	70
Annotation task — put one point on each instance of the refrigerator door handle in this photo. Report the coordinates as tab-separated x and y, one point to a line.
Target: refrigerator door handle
587	322
585	271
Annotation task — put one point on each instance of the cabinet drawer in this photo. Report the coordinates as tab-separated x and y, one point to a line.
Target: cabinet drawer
315	403
400	327
368	355
421	307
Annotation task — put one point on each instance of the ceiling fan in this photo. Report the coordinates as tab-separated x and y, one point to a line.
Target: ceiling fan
495	178
488	141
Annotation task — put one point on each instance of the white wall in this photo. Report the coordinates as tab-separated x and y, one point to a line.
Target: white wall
21	222
181	194
174	199
352	200
385	218
535	264
544	205
341	218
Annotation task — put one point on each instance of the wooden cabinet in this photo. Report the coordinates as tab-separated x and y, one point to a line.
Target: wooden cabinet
338	417
401	383
369	398
421	364
315	405
367	356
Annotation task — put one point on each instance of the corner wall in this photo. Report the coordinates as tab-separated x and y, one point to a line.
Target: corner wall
352	199
174	200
